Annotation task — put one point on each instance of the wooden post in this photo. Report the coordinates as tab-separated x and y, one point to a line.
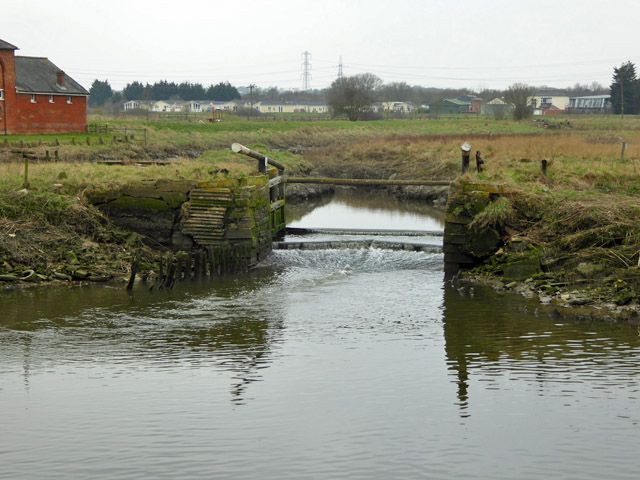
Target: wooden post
135	266
465	149
171	275
624	147
26	172
161	276
199	265
479	162
465	162
543	167
212	262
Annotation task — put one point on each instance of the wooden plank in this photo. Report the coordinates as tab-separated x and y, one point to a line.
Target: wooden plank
275	181
367	181
277	204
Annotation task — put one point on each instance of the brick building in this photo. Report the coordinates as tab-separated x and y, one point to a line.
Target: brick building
38	97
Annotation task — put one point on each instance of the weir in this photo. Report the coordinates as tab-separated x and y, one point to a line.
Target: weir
463	247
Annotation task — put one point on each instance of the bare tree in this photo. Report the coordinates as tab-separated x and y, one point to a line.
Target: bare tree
519	95
353	96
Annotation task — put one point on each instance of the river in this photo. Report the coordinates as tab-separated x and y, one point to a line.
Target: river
354	363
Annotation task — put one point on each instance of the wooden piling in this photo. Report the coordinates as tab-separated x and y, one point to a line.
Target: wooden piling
25	183
479	162
135	267
170	278
199	266
212	261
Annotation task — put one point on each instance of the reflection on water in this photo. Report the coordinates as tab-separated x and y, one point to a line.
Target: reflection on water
193	324
491	335
354	363
374	210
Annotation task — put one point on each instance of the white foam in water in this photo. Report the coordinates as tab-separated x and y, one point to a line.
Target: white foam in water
356	260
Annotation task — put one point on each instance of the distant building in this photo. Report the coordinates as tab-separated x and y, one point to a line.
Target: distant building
549	102
450	106
198	106
497	108
590	104
38	97
135	105
475	103
270	106
161	106
394	107
227	106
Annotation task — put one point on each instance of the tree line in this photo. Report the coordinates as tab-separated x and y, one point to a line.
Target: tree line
101	92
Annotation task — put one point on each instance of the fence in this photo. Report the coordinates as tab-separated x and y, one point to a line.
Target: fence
126	134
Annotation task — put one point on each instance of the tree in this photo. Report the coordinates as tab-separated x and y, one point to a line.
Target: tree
133	91
519	95
353	96
625	89
99	92
396	92
222	92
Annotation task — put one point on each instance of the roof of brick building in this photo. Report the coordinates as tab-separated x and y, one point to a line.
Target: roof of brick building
39	75
6	45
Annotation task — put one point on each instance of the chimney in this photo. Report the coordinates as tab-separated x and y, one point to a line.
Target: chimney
60	78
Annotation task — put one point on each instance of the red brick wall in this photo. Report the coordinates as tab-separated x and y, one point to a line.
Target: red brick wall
56	117
8	83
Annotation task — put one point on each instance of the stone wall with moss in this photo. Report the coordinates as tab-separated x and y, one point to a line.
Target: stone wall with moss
230	216
472	230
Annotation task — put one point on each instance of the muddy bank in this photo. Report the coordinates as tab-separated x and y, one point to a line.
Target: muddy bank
166	229
298	193
567	254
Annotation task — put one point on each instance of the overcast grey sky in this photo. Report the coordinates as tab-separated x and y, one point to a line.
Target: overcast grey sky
459	43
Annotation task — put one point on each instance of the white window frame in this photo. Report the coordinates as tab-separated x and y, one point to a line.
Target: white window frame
69	99
33	98
51	99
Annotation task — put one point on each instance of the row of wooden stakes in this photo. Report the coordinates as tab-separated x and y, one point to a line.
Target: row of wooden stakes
204	263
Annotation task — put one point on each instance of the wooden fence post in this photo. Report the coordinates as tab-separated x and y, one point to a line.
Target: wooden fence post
26	172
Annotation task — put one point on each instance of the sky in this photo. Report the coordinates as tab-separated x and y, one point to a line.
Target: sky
477	44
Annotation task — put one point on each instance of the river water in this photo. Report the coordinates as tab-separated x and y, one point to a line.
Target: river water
320	364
